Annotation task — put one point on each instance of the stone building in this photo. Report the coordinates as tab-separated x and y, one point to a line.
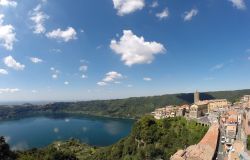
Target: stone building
198	110
196	97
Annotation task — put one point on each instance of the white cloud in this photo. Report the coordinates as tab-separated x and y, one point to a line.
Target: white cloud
38	17
8	3
7	34
124	7
147	79
190	14
84	76
62	35
112	76
154	4
217	67
83	68
55	72
9	90
163	15
36	60
134	49
239	4
101	83
9	61
66	82
3	71
54	76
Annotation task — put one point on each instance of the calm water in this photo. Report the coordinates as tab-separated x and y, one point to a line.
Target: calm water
40	131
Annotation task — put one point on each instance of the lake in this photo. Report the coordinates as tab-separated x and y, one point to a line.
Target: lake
40	131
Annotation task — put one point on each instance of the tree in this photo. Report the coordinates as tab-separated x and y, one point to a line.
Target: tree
5	152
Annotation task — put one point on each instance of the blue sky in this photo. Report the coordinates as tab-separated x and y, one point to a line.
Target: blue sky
92	49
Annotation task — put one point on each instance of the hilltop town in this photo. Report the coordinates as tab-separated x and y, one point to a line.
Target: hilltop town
228	135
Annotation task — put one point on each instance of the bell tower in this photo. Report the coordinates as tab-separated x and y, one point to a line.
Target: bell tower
196	96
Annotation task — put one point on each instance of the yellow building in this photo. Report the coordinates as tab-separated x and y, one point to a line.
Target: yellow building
214	105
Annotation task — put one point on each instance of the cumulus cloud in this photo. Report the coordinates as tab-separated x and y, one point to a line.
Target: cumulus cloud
163	15
7	34
8	3
188	15
62	35
134	49
38	17
35	60
124	7
101	83
9	61
147	79
111	77
9	90
3	71
239	4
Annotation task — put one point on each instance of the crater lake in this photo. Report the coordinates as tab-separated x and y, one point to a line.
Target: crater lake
40	131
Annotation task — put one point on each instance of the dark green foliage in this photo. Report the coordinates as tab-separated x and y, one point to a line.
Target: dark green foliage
5	152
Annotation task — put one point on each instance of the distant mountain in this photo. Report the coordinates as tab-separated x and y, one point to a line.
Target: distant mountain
127	108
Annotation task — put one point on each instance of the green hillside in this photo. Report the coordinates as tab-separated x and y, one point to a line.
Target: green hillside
128	108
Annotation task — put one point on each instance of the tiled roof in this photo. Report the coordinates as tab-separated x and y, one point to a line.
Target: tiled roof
204	150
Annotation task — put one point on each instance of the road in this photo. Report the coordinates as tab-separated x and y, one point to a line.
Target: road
220	153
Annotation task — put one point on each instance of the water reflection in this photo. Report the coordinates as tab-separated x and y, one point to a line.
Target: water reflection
113	127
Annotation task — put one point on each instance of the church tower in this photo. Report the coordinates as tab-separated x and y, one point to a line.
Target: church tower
196	96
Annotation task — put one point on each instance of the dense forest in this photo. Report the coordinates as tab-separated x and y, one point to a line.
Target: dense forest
134	107
150	139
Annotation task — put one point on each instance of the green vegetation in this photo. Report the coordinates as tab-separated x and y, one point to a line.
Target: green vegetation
150	139
5	152
128	108
248	142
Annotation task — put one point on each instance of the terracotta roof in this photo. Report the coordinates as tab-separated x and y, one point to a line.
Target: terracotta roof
204	150
232	112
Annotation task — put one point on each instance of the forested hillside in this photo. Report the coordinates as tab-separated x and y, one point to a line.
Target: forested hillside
128	108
